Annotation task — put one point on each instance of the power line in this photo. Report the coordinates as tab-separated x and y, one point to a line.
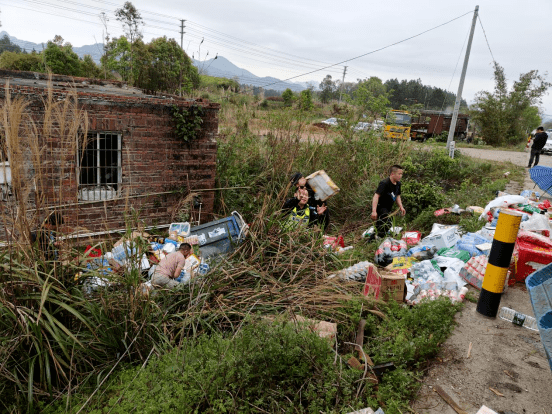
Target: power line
376	50
485	34
282	61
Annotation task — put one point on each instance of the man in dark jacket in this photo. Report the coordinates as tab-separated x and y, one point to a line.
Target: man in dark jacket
538	144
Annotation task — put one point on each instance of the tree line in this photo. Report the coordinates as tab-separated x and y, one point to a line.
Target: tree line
400	93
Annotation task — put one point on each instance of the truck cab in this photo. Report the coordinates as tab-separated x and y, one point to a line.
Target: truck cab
397	125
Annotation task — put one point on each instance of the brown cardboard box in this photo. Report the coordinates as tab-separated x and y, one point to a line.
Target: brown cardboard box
384	285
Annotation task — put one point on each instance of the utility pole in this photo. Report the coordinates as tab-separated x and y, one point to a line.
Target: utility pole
182	33
342	82
461	86
181	47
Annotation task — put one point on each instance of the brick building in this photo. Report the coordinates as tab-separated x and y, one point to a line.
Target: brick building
131	161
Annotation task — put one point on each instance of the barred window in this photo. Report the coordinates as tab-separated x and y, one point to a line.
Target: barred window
99	167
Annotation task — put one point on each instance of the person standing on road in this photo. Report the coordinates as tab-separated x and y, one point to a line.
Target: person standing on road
538	144
387	193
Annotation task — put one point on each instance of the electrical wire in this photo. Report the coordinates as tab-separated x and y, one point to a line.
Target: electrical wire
376	50
485	34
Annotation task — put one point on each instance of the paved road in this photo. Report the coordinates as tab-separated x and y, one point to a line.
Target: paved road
517	158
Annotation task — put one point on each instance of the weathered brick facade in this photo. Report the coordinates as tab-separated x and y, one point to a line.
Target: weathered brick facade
155	163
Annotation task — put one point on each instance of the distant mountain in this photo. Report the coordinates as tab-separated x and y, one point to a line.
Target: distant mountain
94	50
220	67
223	68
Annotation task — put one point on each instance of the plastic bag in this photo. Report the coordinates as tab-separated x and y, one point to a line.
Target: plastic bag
469	241
503	201
389	249
420	253
537	223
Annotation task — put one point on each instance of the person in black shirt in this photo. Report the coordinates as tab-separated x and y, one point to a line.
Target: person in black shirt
387	193
538	144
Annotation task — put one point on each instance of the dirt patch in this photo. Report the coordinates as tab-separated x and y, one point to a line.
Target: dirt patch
501	358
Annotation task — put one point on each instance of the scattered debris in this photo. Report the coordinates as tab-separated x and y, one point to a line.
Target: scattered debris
449	400
496	392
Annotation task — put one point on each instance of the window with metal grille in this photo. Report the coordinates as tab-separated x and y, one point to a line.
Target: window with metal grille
99	167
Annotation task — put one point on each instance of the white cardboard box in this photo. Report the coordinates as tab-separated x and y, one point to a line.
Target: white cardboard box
444	237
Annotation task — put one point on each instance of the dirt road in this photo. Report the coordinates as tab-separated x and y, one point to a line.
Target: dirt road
505	358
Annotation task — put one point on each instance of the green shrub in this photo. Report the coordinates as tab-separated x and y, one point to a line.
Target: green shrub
264	367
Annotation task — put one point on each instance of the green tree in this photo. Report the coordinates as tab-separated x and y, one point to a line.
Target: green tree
89	69
7	45
328	89
162	65
505	115
370	98
305	100
61	59
132	22
22	61
288	97
117	57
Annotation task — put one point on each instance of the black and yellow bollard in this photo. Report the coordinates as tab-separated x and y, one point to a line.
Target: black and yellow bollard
499	260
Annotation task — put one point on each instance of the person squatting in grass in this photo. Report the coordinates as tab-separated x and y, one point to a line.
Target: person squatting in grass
46	236
300	213
300	182
538	144
387	193
169	268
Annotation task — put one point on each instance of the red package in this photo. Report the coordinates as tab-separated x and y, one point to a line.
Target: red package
532	252
412	237
89	251
440	212
545	205
334	242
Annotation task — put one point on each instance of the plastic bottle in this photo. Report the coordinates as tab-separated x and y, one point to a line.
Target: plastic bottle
462	293
517	318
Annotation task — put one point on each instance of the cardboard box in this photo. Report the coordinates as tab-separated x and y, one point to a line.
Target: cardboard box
322	185
384	285
445	237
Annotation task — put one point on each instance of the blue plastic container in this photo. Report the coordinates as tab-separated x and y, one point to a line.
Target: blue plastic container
220	236
539	285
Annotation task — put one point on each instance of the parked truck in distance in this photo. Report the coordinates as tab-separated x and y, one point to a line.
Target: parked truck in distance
431	123
401	125
397	125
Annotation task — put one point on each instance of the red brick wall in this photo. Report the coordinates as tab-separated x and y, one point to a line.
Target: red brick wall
154	160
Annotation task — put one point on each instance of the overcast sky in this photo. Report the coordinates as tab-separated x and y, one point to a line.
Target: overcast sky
287	38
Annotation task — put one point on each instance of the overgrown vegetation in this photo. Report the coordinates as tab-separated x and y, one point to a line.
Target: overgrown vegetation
205	346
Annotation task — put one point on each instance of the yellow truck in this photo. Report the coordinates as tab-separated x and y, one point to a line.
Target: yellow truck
397	125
